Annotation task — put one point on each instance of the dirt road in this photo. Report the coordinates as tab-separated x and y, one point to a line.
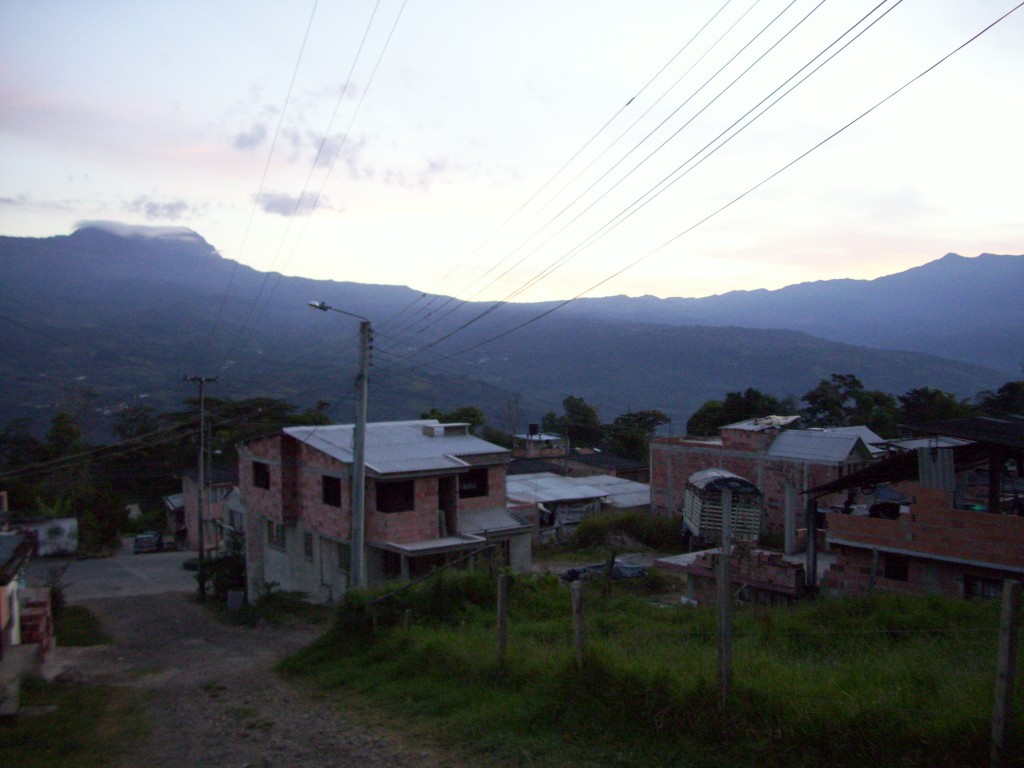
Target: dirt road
213	698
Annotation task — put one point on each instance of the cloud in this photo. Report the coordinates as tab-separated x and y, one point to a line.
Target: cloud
12	201
137	230
171	210
251	138
289	205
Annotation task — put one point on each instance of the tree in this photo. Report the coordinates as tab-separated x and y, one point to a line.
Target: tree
737	406
1008	400
579	423
510	414
832	401
630	434
467	414
924	404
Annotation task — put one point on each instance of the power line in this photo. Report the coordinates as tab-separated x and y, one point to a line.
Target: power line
748	191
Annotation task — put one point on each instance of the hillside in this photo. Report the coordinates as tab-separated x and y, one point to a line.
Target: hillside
968	309
119	316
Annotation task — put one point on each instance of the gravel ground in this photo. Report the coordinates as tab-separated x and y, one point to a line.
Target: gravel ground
213	698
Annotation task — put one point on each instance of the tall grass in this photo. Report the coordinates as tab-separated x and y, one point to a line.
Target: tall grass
889	680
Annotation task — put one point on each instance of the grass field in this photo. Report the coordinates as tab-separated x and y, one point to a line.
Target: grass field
883	680
67	725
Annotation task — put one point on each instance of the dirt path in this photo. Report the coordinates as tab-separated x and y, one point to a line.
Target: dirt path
213	698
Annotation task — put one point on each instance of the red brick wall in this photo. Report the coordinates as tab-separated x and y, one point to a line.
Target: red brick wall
265	502
933	527
759	570
333	522
495	491
674	460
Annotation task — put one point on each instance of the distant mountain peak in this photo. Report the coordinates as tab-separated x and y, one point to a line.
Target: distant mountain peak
138	230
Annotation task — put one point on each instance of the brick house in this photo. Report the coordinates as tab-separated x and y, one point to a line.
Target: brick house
221	485
781	462
945	533
434	494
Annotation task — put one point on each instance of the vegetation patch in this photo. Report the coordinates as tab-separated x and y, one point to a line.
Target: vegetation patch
78	626
888	680
78	726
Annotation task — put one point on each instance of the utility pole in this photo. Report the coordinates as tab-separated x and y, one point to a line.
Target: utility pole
358	561
725	602
201	381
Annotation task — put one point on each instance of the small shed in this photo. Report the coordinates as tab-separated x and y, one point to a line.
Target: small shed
702	506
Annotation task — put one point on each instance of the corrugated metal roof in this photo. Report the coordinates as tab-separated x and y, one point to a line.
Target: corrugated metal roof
717	478
816	446
487	520
543	487
763	423
871	440
620	492
396	447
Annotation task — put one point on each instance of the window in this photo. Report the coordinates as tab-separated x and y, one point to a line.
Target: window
897	567
331	491
397	496
307	545
978	586
260	474
473	483
275	534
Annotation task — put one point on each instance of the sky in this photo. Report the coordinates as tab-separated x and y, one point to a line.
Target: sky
493	150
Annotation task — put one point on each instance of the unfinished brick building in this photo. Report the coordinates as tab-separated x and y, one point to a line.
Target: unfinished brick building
780	462
946	537
434	493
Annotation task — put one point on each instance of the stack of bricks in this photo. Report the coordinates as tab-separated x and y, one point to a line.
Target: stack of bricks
37	620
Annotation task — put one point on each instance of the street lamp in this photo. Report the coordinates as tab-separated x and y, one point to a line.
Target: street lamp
357	565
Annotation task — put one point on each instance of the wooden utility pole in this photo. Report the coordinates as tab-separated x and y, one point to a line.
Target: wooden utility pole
579	623
1009	625
502	617
201	381
725	602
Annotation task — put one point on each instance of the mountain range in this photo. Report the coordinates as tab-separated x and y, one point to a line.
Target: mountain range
106	316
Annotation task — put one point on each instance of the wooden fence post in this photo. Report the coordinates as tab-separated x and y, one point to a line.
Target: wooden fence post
502	617
407	619
1009	624
579	625
609	570
725	602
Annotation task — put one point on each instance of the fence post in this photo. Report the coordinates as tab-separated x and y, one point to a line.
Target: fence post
1009	624
407	619
725	602
609	570
579	625
502	617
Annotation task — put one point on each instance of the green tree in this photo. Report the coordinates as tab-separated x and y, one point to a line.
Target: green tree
924	404
579	422
630	434
737	406
1008	400
467	414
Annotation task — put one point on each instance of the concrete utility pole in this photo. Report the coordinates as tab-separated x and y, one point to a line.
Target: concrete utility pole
359	458
357	560
201	381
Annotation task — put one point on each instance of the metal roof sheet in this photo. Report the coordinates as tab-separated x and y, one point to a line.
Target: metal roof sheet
816	446
542	487
762	423
396	447
620	492
486	520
